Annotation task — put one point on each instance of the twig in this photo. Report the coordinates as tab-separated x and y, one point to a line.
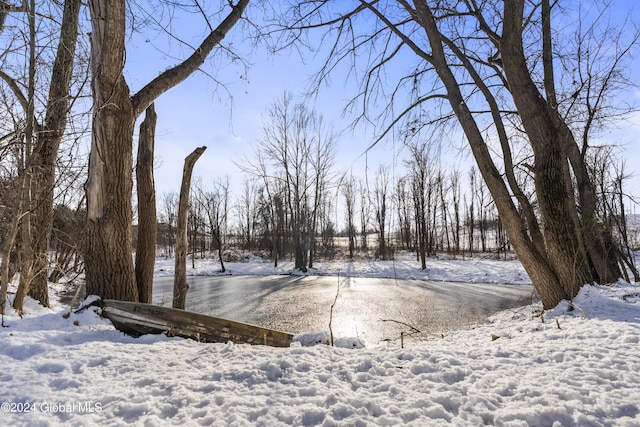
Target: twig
335	300
413	328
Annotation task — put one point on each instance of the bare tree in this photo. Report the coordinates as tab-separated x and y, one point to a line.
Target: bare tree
609	178
381	207
471	210
470	57
349	192
424	175
196	223
365	215
41	135
169	216
403	199
454	186
483	202
419	177
273	213
321	158
109	267
215	206
180	285
295	155
246	213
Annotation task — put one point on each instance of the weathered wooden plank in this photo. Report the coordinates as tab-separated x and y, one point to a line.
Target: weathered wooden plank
138	318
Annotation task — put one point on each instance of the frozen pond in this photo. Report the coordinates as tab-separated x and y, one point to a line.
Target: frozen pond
373	309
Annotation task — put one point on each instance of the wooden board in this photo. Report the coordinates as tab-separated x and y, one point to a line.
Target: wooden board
137	319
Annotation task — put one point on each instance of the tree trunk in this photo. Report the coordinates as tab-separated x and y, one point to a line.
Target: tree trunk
28	160
147	222
109	265
593	237
26	261
4	264
560	231
220	254
180	285
549	288
49	142
108	260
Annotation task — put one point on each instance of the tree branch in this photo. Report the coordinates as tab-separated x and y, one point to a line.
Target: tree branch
180	72
15	88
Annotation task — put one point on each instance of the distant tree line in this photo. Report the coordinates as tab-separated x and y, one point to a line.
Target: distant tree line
424	209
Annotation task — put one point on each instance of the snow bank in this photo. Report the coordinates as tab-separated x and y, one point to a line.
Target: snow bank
469	270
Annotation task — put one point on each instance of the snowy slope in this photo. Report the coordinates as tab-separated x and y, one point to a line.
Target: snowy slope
564	368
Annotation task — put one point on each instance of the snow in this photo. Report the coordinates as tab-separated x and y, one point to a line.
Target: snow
476	269
575	365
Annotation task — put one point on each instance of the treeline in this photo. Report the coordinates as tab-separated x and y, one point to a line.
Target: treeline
320	214
354	228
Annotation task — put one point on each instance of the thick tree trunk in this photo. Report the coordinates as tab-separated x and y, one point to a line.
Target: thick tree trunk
561	232
593	237
49	142
147	223
108	258
180	285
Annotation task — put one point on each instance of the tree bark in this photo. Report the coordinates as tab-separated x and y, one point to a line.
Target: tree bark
27	170
593	237
220	254
565	253
180	285
49	139
6	258
108	259
147	222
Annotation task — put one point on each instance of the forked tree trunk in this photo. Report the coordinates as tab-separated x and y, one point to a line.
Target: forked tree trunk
562	234
180	285
593	237
546	282
147	223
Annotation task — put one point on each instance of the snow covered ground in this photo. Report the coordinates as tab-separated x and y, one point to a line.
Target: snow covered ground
476	269
565	368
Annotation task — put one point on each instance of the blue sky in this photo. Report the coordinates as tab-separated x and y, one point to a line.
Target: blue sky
229	120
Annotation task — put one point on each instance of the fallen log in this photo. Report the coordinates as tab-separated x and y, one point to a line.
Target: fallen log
136	319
